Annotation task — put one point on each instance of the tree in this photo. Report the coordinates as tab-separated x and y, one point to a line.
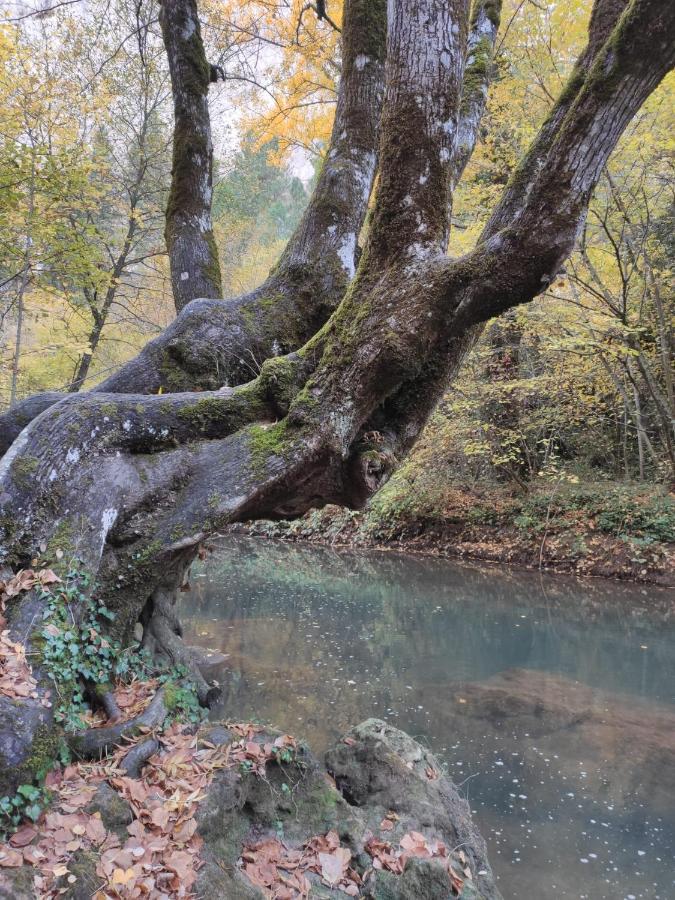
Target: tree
130	486
98	189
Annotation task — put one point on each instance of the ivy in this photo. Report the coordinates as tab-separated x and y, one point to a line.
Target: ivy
74	649
28	803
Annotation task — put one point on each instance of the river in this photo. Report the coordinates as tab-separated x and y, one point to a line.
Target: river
551	701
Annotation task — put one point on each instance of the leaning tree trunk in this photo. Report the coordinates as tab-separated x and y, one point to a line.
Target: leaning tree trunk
223	342
130	485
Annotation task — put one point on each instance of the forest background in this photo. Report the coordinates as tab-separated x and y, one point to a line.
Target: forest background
556	444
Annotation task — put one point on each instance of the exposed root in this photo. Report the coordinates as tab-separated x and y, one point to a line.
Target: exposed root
162	635
137	757
110	707
96	742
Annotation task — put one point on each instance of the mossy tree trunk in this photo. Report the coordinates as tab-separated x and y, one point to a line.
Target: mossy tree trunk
193	255
131	484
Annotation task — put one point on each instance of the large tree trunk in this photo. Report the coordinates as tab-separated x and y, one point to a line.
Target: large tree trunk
130	485
223	342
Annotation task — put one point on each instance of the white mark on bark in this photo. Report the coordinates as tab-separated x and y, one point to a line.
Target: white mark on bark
126	425
53	475
73	455
184	276
346	252
444	154
107	521
189	29
361	61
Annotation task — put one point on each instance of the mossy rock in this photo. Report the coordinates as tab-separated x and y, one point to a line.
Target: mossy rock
114	810
17	884
296	801
422	879
82	866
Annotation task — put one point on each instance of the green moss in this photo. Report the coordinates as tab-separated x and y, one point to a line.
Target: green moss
477	72
203	413
266	442
278	378
33	770
24	469
173	377
369	21
572	86
493	10
171	696
83	866
211	269
61	539
147	553
108	409
177	532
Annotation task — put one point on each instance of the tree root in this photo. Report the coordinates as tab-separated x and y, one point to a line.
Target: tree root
162	635
95	742
137	757
110	707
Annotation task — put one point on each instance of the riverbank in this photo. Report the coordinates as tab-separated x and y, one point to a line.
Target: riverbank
612	531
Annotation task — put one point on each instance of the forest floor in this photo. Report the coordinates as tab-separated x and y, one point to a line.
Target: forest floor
612	530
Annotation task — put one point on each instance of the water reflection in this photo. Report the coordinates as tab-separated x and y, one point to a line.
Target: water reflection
551	700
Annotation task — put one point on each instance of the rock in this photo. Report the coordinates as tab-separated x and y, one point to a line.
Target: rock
378	770
218	735
623	741
381	772
207	660
422	879
115	812
83	866
17	884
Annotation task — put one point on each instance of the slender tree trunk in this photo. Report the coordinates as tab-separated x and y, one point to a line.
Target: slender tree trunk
193	255
101	315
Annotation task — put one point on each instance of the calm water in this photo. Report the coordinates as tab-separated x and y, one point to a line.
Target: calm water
551	701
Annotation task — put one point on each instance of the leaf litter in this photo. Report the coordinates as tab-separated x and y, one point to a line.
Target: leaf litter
159	858
16	676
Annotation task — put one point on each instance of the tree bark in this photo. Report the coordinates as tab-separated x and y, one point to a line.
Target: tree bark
223	342
130	485
193	255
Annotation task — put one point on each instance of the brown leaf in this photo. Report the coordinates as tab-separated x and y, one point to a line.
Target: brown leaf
334	865
183	832
11	858
23	836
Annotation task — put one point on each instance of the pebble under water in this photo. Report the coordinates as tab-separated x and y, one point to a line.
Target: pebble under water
551	701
